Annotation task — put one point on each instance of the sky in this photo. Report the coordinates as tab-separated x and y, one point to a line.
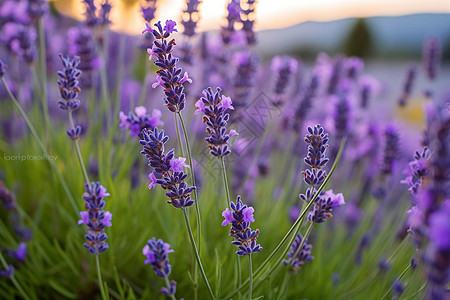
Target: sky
270	14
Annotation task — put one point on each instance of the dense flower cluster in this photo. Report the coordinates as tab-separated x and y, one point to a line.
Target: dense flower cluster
244	77
390	150
37	8
410	76
95	217
431	56
298	257
233	17
191	17
214	107
417	170
305	102
240	217
169	75
148	10
168	171
323	206
140	120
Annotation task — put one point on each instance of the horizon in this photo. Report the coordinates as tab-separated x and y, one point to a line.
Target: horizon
126	14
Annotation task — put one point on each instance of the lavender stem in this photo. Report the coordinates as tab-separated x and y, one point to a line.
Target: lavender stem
80	158
43	69
99	274
225	181
399	277
180	144
251	276
197	256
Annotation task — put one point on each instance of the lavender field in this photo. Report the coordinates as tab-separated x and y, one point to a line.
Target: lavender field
191	164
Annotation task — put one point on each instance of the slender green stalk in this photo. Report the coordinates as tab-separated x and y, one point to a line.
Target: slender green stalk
166	279
43	69
197	256
196	199
41	146
399	247
100	280
399	277
308	232
13	278
295	227
225	182
77	147
251	276
180	143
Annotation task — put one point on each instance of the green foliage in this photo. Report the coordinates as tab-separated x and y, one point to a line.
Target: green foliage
359	40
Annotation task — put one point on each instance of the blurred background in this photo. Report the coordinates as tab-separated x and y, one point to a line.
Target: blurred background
369	29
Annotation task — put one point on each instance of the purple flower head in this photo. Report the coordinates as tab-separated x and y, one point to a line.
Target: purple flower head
91	13
23	43
307	95
95	218
156	253
214	107
284	67
190	17
353	66
244	77
7	273
233	17
410	77
171	290
298	257
169	77
431	56
390	149
7	198
169	170
323	206
240	217
140	120
21	252
68	82
74	133
3	67
105	9
148	11
81	43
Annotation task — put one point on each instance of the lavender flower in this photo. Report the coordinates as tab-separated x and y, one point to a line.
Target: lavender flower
7	198
140	120
431	56
168	171
233	17
303	255
408	84
23	43
3	67
91	13
36	8
214	107
7	273
390	149
335	76
157	252
148	11
323	206
68	82
20	253
317	139
105	9
169	76
81	43
305	103
247	23
284	67
353	66
240	217
190	17
244	75
95	218
417	169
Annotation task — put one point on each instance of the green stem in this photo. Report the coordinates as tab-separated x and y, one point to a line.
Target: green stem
308	232
13	278
195	194
398	279
180	143
100	281
166	279
251	276
77	147
197	256
43	69
295	227
225	182
41	146
399	247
